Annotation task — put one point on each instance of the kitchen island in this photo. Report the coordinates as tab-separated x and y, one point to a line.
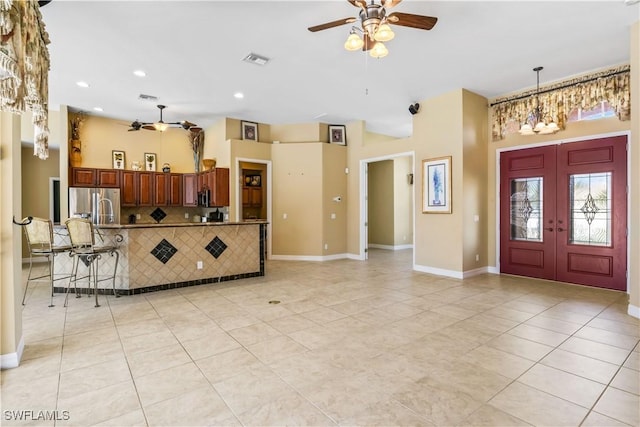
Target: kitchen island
167	256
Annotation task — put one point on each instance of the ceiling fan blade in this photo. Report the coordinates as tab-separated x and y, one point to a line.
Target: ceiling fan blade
359	3
331	24
420	22
148	127
390	3
186	124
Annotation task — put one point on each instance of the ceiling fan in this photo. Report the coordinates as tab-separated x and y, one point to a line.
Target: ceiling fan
161	125
374	27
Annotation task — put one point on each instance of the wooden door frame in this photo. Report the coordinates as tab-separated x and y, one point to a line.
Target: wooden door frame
496	269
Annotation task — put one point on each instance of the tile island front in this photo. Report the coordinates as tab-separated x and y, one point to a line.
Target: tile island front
167	256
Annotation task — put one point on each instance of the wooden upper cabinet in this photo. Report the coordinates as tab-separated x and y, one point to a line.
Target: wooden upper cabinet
219	186
145	188
189	189
160	189
174	189
82	177
129	188
108	178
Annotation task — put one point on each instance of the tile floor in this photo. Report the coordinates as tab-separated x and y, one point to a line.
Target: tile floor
351	343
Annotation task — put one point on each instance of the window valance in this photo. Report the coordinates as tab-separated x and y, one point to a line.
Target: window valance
558	100
24	66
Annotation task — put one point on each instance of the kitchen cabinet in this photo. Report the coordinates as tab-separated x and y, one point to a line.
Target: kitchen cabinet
174	189
145	188
129	188
189	189
252	197
219	185
217	182
160	182
82	177
108	178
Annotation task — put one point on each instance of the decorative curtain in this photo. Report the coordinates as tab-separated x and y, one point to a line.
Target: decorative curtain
24	66
558	100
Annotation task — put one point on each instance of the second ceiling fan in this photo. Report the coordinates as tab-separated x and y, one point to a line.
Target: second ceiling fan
161	125
375	28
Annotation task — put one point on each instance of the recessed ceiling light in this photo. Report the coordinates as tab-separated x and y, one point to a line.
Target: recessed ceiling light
238	95
139	73
98	109
82	84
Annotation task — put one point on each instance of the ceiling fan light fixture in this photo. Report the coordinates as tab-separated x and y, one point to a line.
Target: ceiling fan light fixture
354	42
161	126
384	33
379	50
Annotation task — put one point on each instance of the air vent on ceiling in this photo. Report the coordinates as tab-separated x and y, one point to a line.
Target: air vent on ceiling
254	58
144	97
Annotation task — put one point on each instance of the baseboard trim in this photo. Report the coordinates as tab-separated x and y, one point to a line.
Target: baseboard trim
390	247
634	311
475	272
439	271
493	270
12	360
308	257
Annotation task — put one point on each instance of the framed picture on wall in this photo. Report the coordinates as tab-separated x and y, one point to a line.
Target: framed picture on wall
250	131
337	134
150	162
117	159
436	185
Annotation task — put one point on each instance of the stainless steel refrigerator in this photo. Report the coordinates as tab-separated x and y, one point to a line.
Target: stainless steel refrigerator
101	205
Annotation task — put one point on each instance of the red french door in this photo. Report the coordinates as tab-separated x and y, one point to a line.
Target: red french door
563	212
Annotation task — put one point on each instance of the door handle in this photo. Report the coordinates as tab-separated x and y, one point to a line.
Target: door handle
549	229
560	229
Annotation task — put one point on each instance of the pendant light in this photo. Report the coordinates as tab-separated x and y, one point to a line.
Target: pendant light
535	122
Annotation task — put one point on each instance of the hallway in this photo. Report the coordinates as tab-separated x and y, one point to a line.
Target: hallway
349	343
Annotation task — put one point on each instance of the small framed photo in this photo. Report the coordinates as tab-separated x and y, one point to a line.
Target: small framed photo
436	185
250	131
117	159
150	162
253	181
337	134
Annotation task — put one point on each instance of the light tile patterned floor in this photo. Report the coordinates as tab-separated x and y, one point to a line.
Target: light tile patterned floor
351	343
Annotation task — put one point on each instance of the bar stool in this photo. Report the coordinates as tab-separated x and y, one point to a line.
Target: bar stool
82	235
39	234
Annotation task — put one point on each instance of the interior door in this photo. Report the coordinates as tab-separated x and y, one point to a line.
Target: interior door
563	212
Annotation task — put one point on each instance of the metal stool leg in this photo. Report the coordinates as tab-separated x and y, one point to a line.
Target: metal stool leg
51	258
115	269
28	279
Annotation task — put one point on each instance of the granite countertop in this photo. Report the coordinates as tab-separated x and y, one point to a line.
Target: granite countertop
177	224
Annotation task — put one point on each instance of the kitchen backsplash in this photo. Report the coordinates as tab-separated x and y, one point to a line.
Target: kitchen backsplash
174	214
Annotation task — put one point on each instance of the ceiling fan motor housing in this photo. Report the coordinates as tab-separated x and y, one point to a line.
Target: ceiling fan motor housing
371	19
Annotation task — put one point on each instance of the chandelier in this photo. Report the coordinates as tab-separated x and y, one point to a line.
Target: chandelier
536	123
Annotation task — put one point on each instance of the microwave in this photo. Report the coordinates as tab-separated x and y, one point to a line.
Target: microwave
204	197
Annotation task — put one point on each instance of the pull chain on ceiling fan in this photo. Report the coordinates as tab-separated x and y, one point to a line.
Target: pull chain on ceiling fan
161	125
374	26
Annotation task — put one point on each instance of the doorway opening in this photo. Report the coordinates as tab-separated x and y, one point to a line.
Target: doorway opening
253	193
387	204
54	199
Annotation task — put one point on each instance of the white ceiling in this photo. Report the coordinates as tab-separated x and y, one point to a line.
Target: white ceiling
192	53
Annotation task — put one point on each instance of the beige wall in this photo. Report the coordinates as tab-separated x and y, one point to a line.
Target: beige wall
100	136
473	200
35	185
334	183
634	175
402	201
297	182
381	202
10	235
302	132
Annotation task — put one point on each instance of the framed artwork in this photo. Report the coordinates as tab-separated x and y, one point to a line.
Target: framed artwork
252	181
337	134
117	158
250	131
150	162
436	185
